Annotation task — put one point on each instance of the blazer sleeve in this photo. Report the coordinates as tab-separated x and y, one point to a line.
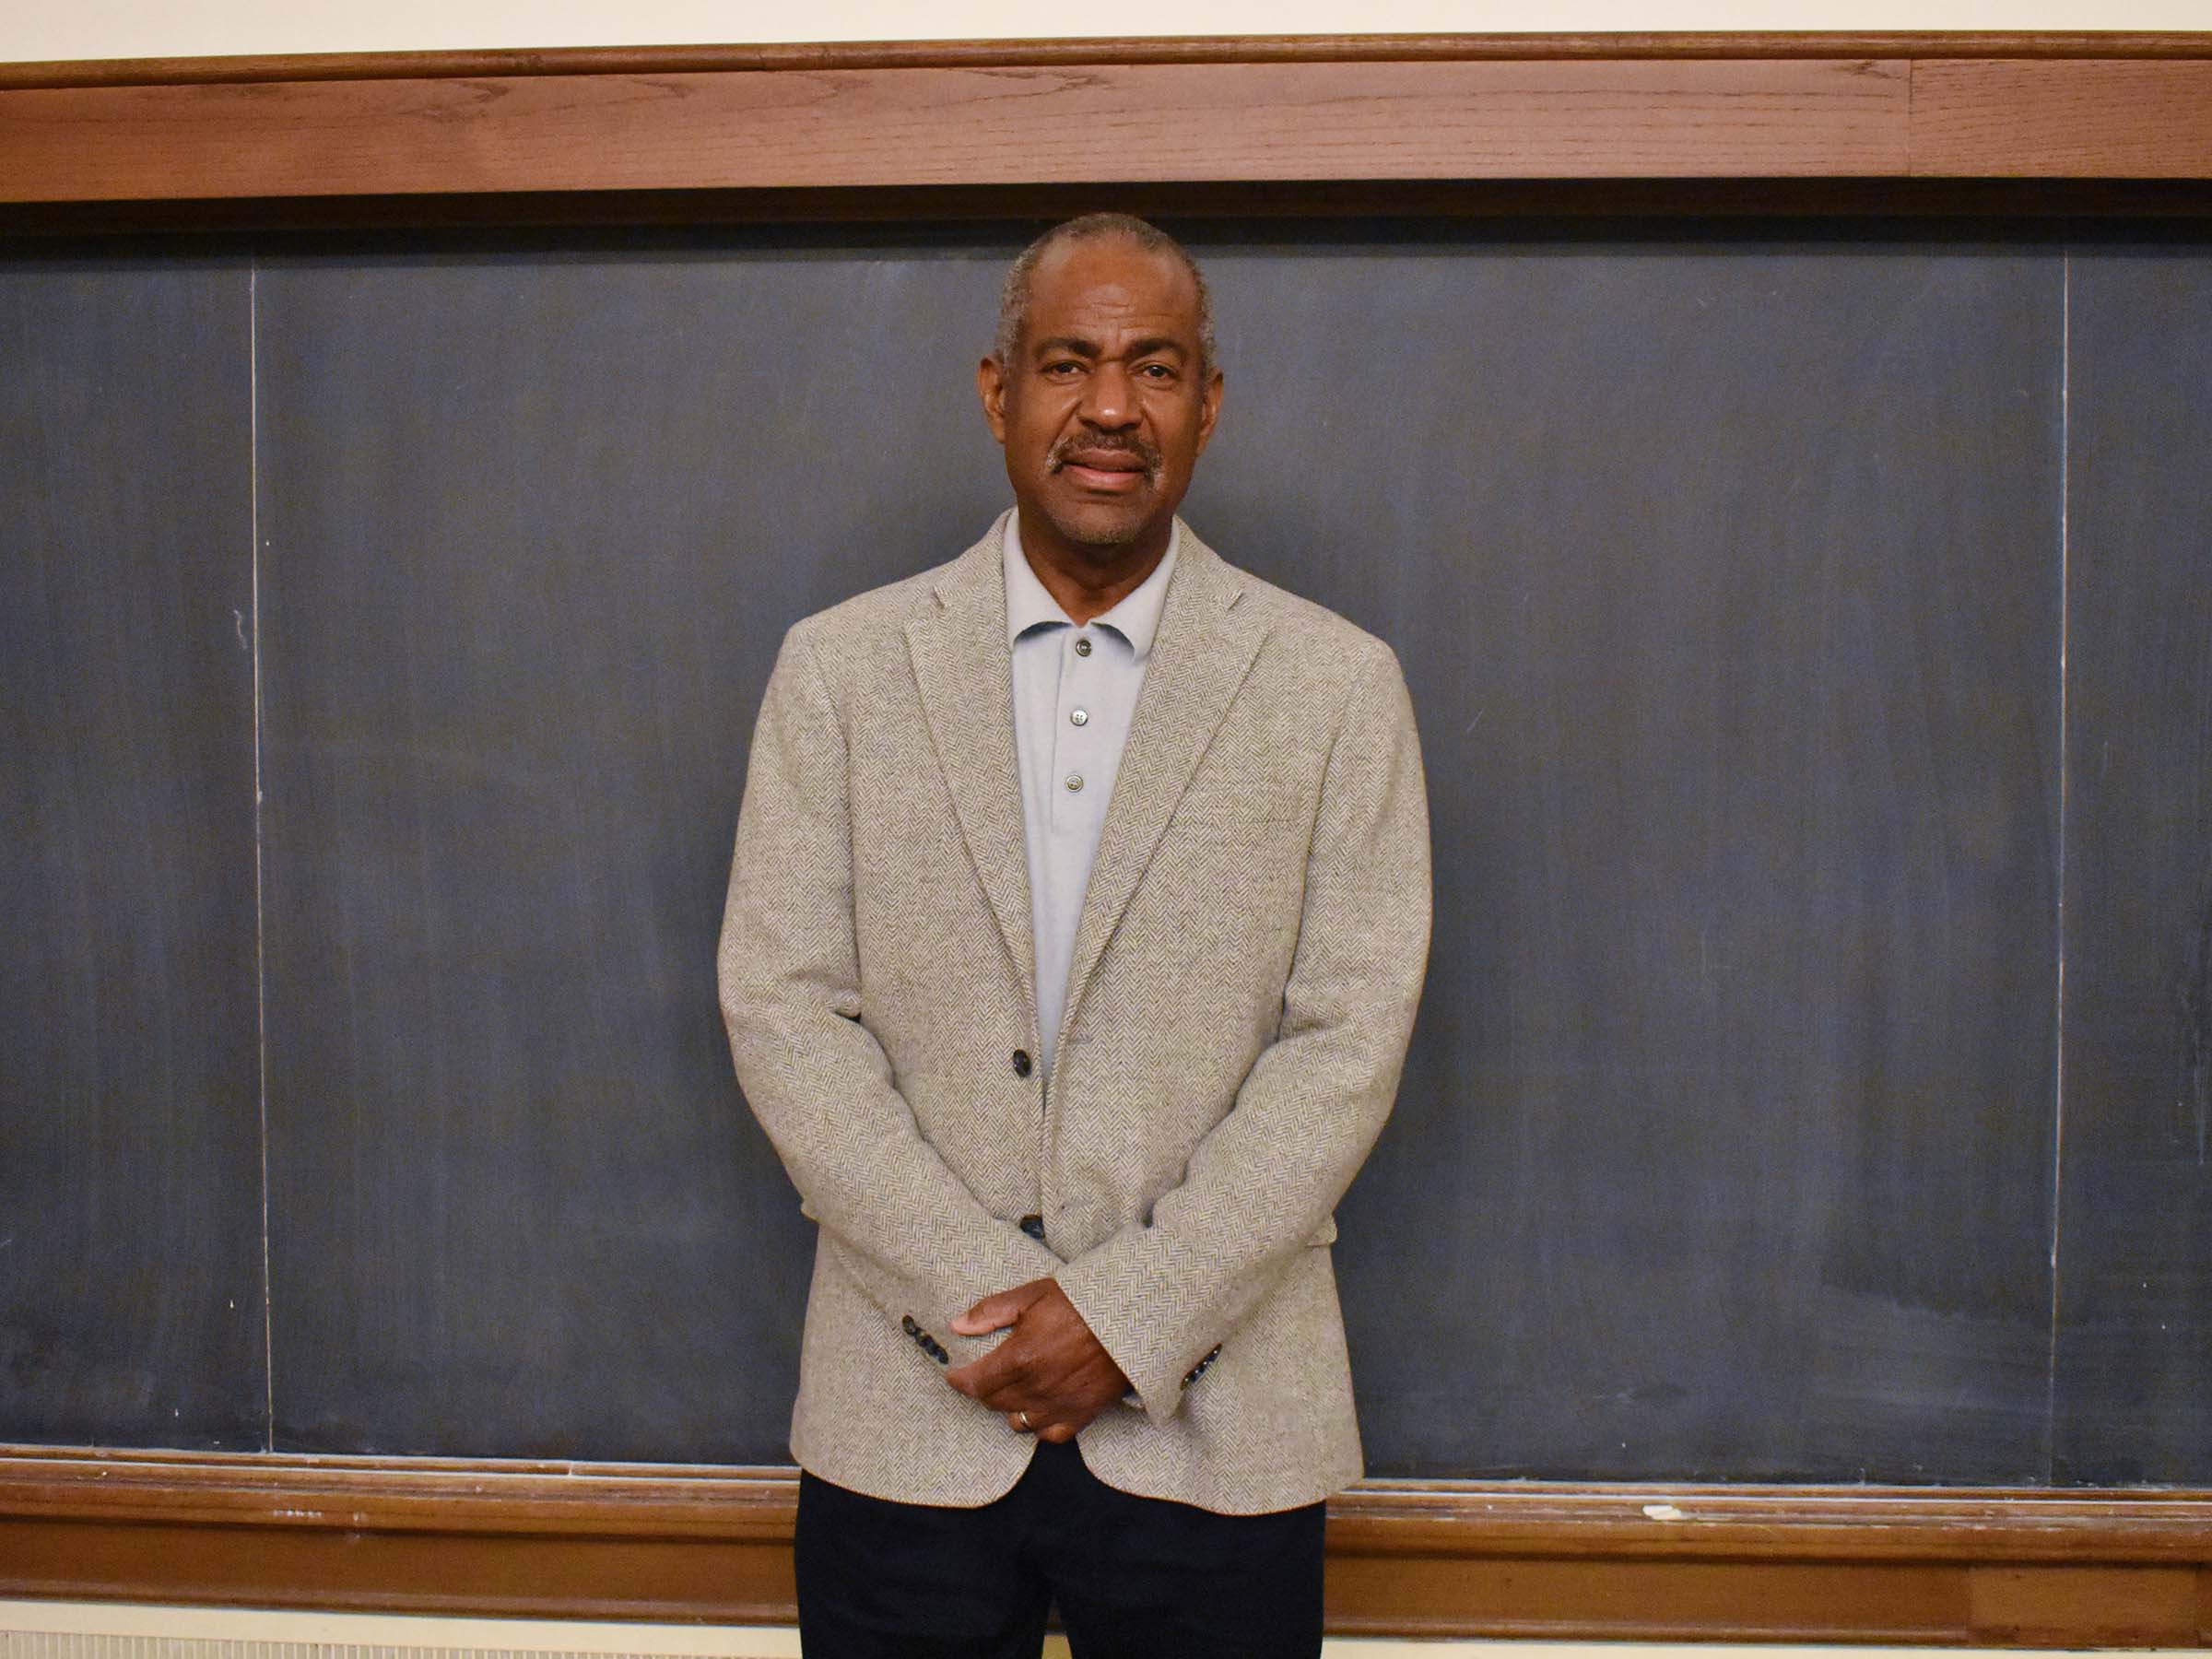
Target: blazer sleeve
1160	1295
918	1241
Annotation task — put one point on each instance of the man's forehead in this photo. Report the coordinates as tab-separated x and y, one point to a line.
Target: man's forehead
1113	281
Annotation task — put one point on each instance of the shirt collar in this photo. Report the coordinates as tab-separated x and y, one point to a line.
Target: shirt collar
1136	619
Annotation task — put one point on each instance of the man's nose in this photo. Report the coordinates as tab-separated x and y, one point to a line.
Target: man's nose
1109	397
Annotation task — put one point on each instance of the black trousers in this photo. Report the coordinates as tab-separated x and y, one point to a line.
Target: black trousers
1134	1578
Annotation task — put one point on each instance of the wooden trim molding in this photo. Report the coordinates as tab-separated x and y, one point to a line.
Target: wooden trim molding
1108	50
1432	1557
1350	113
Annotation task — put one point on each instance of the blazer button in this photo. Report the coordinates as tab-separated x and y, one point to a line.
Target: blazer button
909	1326
1034	1226
1023	1065
1199	1369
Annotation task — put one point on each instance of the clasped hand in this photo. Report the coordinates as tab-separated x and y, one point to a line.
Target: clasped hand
1052	1376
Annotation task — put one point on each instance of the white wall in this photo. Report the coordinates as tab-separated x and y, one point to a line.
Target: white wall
35	30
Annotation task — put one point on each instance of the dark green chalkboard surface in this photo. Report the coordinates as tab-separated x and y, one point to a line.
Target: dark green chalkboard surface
1812	644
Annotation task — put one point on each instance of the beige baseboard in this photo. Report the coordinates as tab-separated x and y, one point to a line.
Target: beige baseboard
47	1629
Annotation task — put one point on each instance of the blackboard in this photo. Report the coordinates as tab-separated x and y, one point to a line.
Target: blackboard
1813	661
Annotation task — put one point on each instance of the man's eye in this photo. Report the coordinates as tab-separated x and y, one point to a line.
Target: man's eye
1065	367
1157	371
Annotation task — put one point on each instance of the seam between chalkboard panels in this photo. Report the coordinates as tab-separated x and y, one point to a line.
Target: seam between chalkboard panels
261	969
2058	1062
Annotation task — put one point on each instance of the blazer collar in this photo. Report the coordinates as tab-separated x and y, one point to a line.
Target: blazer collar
964	669
1209	633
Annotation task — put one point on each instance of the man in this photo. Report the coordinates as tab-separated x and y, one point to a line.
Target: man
1078	915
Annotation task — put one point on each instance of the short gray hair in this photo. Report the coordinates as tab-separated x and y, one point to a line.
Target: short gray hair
1014	296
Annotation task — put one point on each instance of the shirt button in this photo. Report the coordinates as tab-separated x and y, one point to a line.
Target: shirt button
1022	1064
1034	1226
1082	647
1080	717
1074	783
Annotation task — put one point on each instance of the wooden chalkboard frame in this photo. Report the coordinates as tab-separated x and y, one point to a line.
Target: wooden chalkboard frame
997	128
1949	125
1528	1558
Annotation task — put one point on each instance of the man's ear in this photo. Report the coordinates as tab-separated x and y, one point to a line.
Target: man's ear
1210	409
991	386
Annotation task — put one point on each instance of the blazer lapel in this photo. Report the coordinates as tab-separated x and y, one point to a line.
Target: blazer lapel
1204	648
964	669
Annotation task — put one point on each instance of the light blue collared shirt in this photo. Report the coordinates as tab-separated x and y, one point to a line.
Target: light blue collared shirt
1074	693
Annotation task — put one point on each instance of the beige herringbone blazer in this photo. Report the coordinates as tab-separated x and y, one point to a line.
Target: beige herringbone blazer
1246	969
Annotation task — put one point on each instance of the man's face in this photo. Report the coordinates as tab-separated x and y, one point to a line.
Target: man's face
1104	408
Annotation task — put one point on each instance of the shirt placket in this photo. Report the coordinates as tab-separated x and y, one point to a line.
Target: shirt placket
1079	758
